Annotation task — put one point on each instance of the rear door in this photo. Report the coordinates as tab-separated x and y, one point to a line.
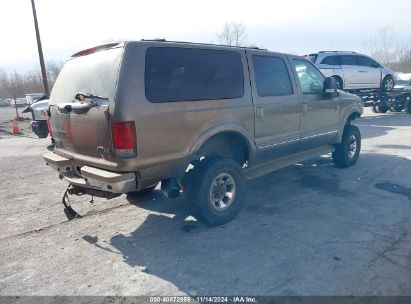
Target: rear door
276	104
352	71
85	133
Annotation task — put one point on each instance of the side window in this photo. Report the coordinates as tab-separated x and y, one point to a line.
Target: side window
330	60
349	60
188	74
311	79
271	76
368	62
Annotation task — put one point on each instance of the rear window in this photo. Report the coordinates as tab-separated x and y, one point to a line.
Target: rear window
95	74
186	74
330	60
312	57
271	76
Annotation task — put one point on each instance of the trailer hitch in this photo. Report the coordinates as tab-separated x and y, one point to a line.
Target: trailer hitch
79	191
68	210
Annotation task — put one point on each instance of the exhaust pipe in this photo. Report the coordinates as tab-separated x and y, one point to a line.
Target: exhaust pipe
170	188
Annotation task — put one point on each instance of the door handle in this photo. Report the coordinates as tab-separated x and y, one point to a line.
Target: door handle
305	107
259	113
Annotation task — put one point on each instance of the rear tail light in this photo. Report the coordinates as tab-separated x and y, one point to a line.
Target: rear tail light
124	139
49	127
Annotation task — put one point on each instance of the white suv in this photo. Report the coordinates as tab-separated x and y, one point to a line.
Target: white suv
353	71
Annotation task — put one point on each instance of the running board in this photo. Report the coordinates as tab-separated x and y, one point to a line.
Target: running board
267	167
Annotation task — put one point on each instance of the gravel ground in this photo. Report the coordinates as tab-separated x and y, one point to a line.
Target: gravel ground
310	229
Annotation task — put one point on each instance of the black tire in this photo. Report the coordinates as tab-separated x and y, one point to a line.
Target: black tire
382	109
198	190
375	109
387	84
347	152
408	106
144	191
396	108
339	82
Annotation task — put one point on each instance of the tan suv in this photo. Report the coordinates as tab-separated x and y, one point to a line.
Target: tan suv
198	118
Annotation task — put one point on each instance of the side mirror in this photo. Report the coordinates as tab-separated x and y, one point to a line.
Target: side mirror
330	87
376	65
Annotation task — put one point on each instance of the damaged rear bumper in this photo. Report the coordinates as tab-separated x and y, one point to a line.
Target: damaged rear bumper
90	177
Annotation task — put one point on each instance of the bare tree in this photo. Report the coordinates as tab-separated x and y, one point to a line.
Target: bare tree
19	84
383	46
233	34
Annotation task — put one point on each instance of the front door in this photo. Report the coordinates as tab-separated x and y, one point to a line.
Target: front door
319	115
276	104
371	72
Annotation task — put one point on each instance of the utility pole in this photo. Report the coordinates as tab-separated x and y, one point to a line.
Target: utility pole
40	50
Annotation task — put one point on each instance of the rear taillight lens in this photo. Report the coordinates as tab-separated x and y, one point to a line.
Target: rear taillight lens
124	139
49	127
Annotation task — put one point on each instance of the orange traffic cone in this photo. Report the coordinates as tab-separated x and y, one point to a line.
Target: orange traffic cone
16	129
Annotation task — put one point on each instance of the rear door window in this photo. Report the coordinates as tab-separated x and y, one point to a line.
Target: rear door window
188	74
330	60
271	76
349	60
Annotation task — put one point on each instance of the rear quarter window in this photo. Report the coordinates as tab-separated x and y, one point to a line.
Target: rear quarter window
187	74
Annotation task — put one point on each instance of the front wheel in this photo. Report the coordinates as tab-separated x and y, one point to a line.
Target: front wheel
388	84
347	152
215	191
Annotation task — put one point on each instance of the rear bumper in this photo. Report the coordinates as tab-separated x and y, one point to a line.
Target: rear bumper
90	177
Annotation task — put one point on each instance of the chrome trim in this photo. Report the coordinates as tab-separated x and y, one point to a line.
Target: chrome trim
294	140
317	135
278	144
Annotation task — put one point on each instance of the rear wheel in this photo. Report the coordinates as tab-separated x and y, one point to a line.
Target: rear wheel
382	109
396	108
408	106
215	190
347	152
339	82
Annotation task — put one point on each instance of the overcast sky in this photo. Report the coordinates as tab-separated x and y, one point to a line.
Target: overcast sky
293	26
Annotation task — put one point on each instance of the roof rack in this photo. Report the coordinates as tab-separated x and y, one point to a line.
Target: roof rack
338	52
199	43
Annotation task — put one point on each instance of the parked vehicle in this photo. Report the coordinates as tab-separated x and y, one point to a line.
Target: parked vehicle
354	71
39	113
198	118
402	81
18	103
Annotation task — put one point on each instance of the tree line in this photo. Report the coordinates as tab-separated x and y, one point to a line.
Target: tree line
19	84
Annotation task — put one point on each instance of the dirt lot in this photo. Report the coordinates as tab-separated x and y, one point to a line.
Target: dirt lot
310	229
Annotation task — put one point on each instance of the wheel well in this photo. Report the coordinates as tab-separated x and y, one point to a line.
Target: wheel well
226	144
353	115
